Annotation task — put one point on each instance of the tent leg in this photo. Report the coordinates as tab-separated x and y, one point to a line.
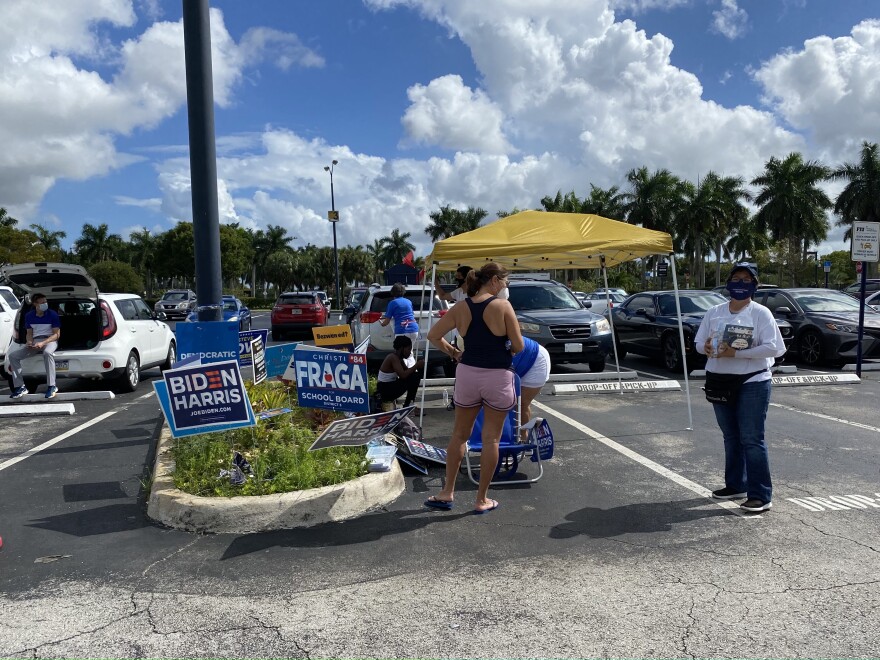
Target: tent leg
687	384
611	322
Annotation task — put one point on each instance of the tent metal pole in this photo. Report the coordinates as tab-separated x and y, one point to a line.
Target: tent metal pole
684	366
611	322
427	343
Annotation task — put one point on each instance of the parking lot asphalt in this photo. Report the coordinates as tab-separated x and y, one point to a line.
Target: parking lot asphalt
616	551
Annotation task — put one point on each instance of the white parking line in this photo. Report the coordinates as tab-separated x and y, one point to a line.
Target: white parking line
828	417
694	487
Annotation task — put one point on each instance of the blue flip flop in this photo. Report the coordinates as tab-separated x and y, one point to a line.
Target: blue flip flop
433	503
491	508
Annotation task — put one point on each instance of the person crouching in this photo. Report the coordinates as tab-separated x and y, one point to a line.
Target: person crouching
399	373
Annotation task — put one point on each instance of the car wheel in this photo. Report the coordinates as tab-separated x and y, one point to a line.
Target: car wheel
597	366
621	351
671	352
171	358
810	347
129	380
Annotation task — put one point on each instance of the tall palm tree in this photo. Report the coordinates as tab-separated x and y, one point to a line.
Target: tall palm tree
652	199
791	205
97	244
747	241
51	240
265	243
559	204
698	212
376	252
143	252
609	203
396	246
860	199
735	215
449	222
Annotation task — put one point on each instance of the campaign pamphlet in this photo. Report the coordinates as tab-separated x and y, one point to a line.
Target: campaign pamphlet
426	451
738	337
360	430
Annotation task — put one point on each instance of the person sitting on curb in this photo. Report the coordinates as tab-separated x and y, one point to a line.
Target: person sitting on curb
43	332
399	373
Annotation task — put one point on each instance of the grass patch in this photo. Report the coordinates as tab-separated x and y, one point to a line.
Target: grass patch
277	450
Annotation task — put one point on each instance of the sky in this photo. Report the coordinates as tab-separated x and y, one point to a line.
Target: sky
423	103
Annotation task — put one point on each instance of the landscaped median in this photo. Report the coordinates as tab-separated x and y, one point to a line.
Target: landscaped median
242	514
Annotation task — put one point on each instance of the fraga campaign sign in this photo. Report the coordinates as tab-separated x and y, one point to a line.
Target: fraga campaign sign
332	380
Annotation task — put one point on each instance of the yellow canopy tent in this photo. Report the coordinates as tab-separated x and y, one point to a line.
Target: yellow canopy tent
538	240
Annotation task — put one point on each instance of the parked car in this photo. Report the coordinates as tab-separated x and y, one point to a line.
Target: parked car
324	298
873	301
598	302
297	311
177	303
612	290
356	298
234	311
9	305
647	324
366	324
109	335
855	289
549	313
825	322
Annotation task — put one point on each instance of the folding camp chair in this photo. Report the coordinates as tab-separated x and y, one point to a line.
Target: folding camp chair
512	450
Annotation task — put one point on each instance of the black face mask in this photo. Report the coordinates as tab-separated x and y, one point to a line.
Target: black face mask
459	282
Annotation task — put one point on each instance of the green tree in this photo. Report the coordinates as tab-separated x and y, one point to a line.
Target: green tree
116	277
377	254
280	269
6	220
652	199
355	265
20	246
175	253
97	244
792	206
51	240
396	246
608	203
860	199
559	204
450	222
236	253
142	251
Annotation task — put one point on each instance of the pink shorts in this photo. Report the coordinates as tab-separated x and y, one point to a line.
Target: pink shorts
484	387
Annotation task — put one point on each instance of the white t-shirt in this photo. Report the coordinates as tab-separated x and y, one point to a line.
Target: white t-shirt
767	342
458	294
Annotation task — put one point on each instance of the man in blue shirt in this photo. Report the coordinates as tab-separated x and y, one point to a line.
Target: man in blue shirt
400	310
43	331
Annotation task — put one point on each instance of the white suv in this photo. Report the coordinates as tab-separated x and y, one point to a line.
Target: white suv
366	323
9	305
109	335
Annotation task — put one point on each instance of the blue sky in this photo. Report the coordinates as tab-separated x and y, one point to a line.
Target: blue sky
424	103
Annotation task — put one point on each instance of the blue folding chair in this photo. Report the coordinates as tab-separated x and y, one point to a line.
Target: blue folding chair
512	450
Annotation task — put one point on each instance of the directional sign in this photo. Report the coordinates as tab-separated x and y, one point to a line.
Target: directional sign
827	266
866	241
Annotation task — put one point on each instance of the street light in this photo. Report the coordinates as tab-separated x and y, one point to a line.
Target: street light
333	217
815	256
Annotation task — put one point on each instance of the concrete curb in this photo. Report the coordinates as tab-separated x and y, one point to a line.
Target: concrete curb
242	515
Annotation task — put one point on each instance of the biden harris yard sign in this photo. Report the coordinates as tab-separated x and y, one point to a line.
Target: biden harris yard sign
204	398
331	379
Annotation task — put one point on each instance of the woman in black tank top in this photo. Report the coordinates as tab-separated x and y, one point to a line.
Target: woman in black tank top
484	380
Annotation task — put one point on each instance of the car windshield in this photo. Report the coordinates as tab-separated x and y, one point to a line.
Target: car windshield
528	297
690	304
229	306
825	301
297	300
175	295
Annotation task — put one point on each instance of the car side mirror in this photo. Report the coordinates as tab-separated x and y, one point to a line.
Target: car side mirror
159	316
784	311
587	303
641	311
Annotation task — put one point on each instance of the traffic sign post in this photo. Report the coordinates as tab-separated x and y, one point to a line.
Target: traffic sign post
865	247
827	266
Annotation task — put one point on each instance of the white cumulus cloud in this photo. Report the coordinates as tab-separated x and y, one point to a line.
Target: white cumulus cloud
731	20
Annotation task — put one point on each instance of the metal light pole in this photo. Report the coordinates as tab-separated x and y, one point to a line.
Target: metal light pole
333	216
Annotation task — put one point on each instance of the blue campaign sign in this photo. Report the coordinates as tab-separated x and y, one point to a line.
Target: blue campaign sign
331	380
165	403
211	341
207	397
278	357
245	337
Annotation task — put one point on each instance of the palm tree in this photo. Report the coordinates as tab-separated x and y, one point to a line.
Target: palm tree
97	244
449	222
860	200
143	251
734	215
559	204
698	212
6	220
791	205
653	198
51	240
396	246
607	203
747	241
265	243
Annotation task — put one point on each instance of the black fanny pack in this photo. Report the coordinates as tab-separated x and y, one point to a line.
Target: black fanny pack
724	388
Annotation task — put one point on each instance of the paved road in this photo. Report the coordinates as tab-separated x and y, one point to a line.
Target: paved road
615	552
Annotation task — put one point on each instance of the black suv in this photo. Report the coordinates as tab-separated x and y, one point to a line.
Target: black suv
549	313
177	303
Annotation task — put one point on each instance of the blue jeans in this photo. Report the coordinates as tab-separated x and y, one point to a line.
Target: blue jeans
746	463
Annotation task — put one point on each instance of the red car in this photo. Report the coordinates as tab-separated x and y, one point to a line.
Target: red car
297	311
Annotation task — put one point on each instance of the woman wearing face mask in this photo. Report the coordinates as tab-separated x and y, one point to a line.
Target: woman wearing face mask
742	340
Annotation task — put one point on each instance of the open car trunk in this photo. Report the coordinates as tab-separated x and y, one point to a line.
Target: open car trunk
81	323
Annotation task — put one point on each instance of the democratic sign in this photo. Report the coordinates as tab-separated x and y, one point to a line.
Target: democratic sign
333	380
334	336
360	430
426	451
209	341
245	337
204	398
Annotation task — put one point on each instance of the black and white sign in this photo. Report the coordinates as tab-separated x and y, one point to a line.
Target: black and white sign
360	430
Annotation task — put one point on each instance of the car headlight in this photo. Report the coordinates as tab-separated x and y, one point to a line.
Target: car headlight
233	318
182	305
602	327
532	328
842	327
